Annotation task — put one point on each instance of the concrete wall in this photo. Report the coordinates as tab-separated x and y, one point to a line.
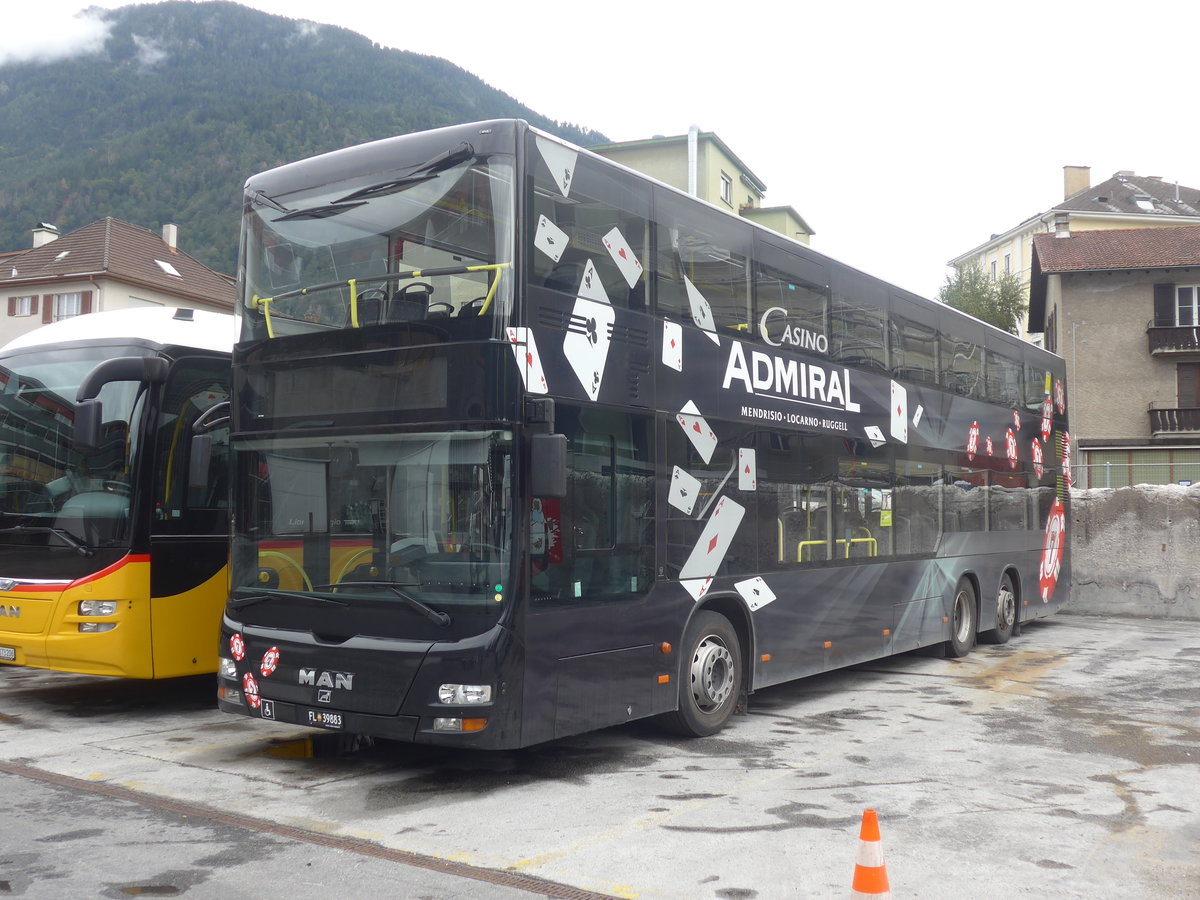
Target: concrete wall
1136	551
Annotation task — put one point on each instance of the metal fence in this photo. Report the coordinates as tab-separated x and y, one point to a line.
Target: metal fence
1117	473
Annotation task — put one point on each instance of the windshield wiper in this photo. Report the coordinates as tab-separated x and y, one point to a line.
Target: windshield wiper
261	594
420	175
433	615
319	212
75	543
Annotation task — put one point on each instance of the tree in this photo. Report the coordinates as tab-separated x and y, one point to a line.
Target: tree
1000	301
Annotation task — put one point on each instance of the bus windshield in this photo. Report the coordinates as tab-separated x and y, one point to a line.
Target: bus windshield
412	521
51	493
430	240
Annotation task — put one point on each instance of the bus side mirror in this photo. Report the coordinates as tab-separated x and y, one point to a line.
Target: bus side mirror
88	415
199	461
548	465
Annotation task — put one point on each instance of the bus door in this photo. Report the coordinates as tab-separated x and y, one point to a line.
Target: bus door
189	545
592	629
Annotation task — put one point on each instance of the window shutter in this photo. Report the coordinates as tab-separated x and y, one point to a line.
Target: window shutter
48	308
85	303
33	305
12	306
1164	305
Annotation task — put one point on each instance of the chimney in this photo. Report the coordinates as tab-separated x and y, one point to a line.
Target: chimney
1076	179
44	234
171	236
1062	225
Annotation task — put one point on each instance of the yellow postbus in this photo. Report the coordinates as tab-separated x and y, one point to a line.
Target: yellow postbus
113	547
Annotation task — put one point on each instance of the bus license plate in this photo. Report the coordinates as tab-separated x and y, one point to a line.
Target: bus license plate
324	719
8	653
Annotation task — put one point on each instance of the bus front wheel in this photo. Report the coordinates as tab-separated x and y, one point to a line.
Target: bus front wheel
710	680
1006	613
962	620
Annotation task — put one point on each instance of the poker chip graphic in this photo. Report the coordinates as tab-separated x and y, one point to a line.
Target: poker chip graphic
237	647
973	440
1038	469
1052	550
1010	445
250	687
270	661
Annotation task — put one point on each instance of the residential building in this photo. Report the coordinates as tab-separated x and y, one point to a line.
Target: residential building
701	164
109	264
1123	308
1124	201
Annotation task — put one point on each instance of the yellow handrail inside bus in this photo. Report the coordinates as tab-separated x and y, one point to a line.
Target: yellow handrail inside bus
264	303
349	564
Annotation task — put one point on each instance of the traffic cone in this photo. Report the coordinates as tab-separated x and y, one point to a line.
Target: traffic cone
870	874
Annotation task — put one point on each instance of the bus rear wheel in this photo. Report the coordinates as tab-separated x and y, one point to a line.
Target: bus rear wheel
710	680
962	620
1006	613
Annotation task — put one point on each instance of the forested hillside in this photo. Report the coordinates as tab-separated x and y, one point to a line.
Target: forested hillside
188	99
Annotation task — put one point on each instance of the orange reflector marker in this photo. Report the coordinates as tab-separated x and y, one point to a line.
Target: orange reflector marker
945	619
766	657
886	632
665	647
474	724
828	644
664	679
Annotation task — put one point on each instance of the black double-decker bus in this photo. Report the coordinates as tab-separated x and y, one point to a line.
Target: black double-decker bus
527	444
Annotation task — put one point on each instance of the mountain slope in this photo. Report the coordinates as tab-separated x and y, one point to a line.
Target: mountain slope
188	99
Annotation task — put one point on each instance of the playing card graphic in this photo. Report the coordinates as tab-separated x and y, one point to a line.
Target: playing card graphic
684	490
917	416
1047	416
561	162
747	470
875	435
1060	396
590	286
703	438
710	550
988	447
550	239
701	311
1038	469
529	361
697	587
623	256
1016	420
755	592
1066	460
899	427
973	440
586	343
672	348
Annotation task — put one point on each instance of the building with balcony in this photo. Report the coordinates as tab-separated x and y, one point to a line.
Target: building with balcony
701	164
109	264
1123	308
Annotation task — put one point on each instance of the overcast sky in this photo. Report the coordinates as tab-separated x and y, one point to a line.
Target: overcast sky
903	133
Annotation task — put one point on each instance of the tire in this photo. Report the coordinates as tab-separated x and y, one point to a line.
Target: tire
1006	613
710	677
962	620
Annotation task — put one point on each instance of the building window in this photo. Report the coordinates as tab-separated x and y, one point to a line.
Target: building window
22	306
1007	263
993	270
67	305
727	189
1187	299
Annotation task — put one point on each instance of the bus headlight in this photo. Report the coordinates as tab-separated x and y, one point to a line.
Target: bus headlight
95	627
459	725
97	607
228	669
464	694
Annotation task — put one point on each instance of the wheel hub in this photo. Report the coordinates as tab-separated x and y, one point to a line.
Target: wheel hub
712	674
